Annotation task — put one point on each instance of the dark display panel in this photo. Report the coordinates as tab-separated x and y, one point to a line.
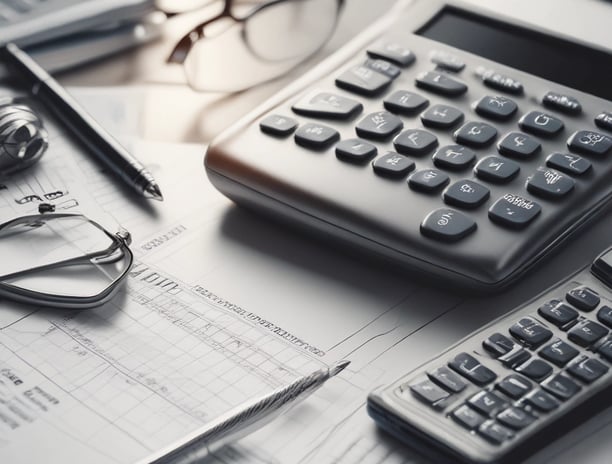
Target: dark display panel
551	58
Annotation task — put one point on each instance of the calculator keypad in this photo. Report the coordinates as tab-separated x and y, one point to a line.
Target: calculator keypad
547	366
405	116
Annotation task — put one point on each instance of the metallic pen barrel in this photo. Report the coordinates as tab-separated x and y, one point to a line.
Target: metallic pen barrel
82	126
243	419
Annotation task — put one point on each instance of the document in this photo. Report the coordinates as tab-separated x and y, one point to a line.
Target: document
220	306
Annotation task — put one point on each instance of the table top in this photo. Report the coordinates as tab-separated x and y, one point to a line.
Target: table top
173	111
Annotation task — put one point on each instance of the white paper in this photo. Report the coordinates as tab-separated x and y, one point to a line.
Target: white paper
221	306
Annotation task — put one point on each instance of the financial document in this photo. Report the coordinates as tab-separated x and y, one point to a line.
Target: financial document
220	306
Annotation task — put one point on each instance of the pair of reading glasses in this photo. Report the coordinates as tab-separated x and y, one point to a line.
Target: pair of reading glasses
61	260
250	42
52	259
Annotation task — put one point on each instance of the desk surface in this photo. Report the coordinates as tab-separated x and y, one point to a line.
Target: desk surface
175	113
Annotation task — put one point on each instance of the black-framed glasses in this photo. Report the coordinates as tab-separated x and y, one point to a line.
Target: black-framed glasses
248	43
61	260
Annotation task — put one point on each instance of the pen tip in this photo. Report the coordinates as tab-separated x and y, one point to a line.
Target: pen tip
152	191
338	367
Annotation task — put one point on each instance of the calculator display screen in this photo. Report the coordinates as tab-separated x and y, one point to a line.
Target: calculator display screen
542	55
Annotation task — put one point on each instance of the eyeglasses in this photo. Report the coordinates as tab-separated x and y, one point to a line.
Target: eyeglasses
245	45
61	260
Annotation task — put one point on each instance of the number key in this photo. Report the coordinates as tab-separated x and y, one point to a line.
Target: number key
583	298
496	107
476	134
469	367
530	332
538	123
558	313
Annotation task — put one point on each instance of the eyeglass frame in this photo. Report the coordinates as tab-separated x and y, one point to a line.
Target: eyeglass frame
185	44
119	241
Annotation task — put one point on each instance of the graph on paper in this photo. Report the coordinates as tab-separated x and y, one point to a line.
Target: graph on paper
159	365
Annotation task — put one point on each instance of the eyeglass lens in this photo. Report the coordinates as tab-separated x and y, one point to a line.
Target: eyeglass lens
58	248
274	38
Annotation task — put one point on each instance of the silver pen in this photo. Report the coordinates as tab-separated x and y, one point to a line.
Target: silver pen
83	127
242	420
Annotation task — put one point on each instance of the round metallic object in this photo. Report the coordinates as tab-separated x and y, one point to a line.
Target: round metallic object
23	139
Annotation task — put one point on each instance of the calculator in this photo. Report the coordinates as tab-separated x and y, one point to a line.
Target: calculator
510	388
456	143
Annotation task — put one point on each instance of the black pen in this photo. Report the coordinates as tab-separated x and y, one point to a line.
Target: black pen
99	142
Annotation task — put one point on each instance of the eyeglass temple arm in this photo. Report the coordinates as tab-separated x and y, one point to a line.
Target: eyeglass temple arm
117	244
185	44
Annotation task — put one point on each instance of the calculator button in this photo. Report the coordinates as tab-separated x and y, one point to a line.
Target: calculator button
455	157
486	403
498	345
510	354
440	83
363	80
379	125
514	386
538	123
496	169
530	332
467	417
441	116
498	81
494	432
605	315
570	164
586	332
548	183
476	134
605	349
446	61
278	125
469	367
428	180
393	165
316	136
590	143
447	379
327	105
514	211
392	51
583	298
404	102
514	358
541	401
383	67
535	369
559	353
355	150
466	194
496	107
563	103
560	386
415	142
447	225
518	145
429	392
558	313
604	120
515	418
587	369
602	268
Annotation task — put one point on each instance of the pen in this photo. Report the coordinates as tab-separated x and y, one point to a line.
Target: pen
243	419
82	125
